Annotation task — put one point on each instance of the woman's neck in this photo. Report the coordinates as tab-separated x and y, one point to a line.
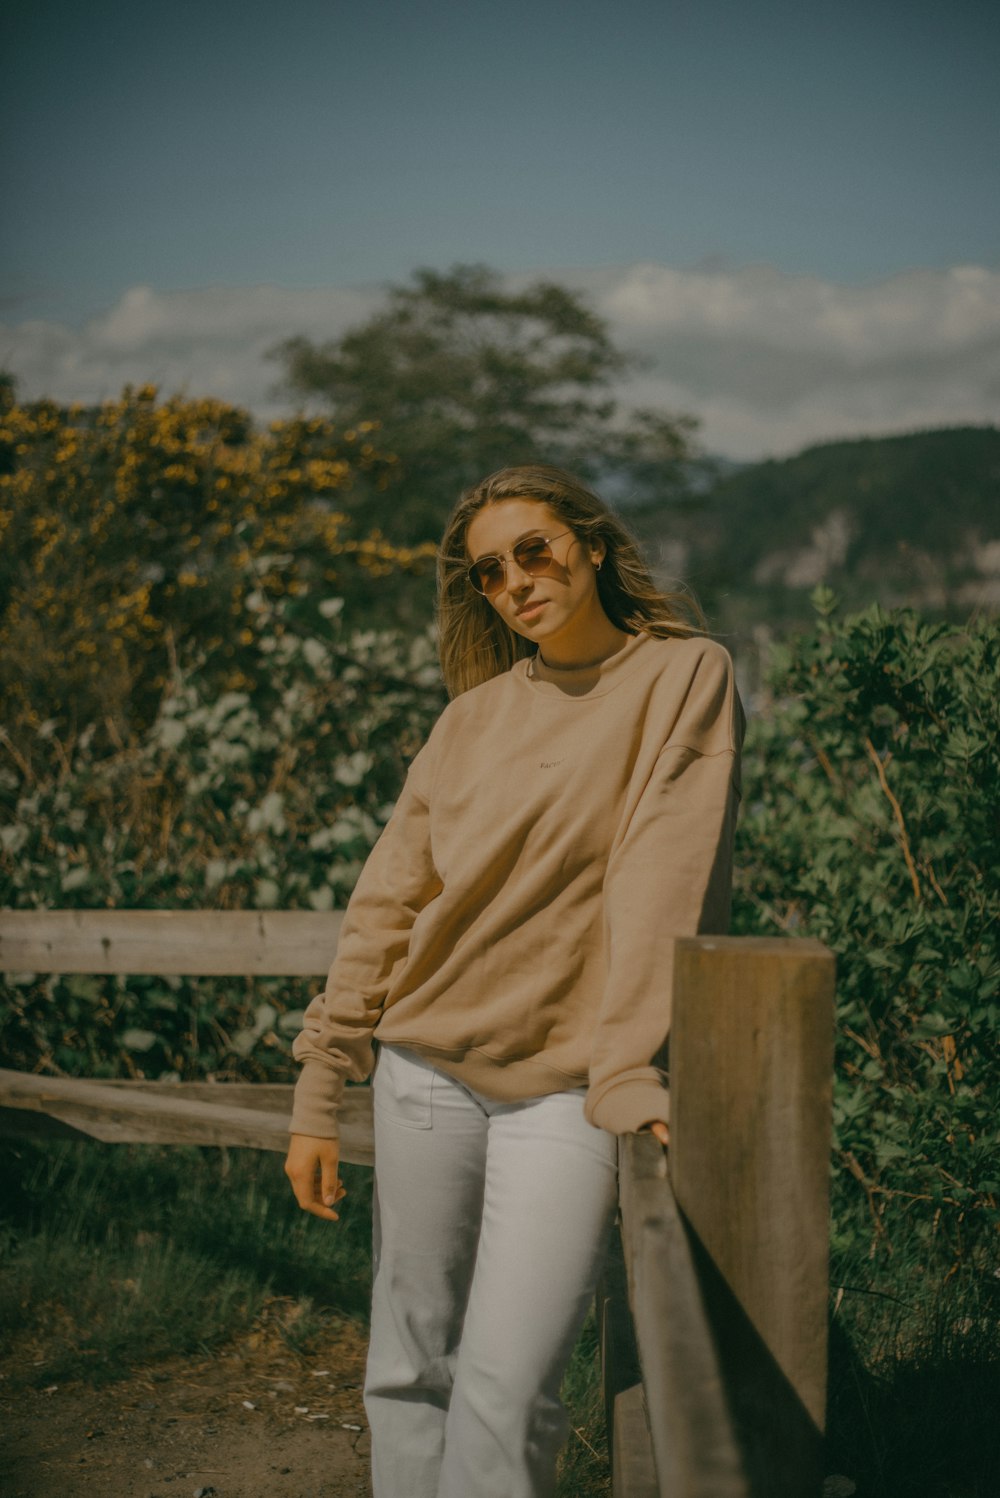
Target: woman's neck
603	640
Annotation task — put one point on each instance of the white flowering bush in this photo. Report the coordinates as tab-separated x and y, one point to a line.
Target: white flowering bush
229	801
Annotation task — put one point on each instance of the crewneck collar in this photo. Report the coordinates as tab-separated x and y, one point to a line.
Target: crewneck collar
582	681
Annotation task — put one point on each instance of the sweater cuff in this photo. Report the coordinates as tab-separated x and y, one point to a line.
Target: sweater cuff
316	1100
633	1100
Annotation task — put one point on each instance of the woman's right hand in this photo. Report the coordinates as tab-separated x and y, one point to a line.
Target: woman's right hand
311	1165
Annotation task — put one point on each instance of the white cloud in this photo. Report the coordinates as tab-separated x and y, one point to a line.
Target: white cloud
207	342
771	362
768	361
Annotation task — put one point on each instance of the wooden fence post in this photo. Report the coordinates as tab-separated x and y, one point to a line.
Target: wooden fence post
751	1064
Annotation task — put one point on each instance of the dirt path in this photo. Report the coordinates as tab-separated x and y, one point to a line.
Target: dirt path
252	1420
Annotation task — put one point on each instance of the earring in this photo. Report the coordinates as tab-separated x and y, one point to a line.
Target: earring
598	564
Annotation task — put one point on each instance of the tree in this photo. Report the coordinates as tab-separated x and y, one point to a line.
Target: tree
463	377
138	532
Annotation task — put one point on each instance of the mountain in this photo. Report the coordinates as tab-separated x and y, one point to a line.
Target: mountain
911	520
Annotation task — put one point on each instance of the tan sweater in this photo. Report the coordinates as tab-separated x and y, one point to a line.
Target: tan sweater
515	921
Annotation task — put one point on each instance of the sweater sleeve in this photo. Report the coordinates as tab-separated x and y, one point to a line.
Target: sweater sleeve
396	883
669	875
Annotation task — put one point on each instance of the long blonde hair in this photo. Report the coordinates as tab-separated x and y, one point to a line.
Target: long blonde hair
473	641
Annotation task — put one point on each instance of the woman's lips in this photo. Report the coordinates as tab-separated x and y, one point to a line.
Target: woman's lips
530	610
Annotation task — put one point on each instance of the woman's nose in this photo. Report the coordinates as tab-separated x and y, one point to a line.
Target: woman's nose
516	578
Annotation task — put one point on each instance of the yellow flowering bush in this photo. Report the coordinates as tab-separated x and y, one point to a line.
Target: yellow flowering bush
140	530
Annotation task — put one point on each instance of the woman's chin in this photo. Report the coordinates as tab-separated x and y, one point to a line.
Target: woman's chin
531	625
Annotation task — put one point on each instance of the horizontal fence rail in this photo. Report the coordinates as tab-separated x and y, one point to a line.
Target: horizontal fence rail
185	943
712	1313
248	1115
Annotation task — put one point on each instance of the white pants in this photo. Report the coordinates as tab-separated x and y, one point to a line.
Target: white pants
491	1224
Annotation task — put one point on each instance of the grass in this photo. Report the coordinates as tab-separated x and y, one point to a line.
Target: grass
914	1383
95	1313
916	1428
119	1255
583	1467
113	1257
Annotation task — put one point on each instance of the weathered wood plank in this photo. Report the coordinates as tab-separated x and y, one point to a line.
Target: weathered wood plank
633	1474
197	943
630	1451
164	1114
693	1439
273	1097
751	1064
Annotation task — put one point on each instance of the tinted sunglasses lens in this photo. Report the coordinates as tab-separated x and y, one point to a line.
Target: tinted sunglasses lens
533	556
487	576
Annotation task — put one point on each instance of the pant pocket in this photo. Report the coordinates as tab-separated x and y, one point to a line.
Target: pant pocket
402	1087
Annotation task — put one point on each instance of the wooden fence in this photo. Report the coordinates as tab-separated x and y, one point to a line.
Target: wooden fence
713	1311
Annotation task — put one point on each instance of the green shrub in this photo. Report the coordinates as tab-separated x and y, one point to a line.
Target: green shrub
229	801
870	821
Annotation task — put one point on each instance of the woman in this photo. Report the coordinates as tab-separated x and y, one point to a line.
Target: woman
509	948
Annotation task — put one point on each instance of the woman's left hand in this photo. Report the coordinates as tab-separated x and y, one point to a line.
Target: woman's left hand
662	1132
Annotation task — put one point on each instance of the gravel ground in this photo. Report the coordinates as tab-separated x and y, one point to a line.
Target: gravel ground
252	1419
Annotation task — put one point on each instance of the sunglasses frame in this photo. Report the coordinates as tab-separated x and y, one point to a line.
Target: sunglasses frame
501	557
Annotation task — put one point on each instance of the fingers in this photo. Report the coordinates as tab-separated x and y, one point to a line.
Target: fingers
661	1131
331	1186
311	1167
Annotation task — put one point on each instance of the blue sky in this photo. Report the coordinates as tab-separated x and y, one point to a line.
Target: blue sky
311	143
331	145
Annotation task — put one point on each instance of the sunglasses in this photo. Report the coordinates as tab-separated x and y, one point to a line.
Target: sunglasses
533	556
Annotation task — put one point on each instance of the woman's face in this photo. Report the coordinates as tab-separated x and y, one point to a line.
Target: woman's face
560	605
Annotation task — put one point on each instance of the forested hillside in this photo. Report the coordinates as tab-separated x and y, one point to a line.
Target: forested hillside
911	520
